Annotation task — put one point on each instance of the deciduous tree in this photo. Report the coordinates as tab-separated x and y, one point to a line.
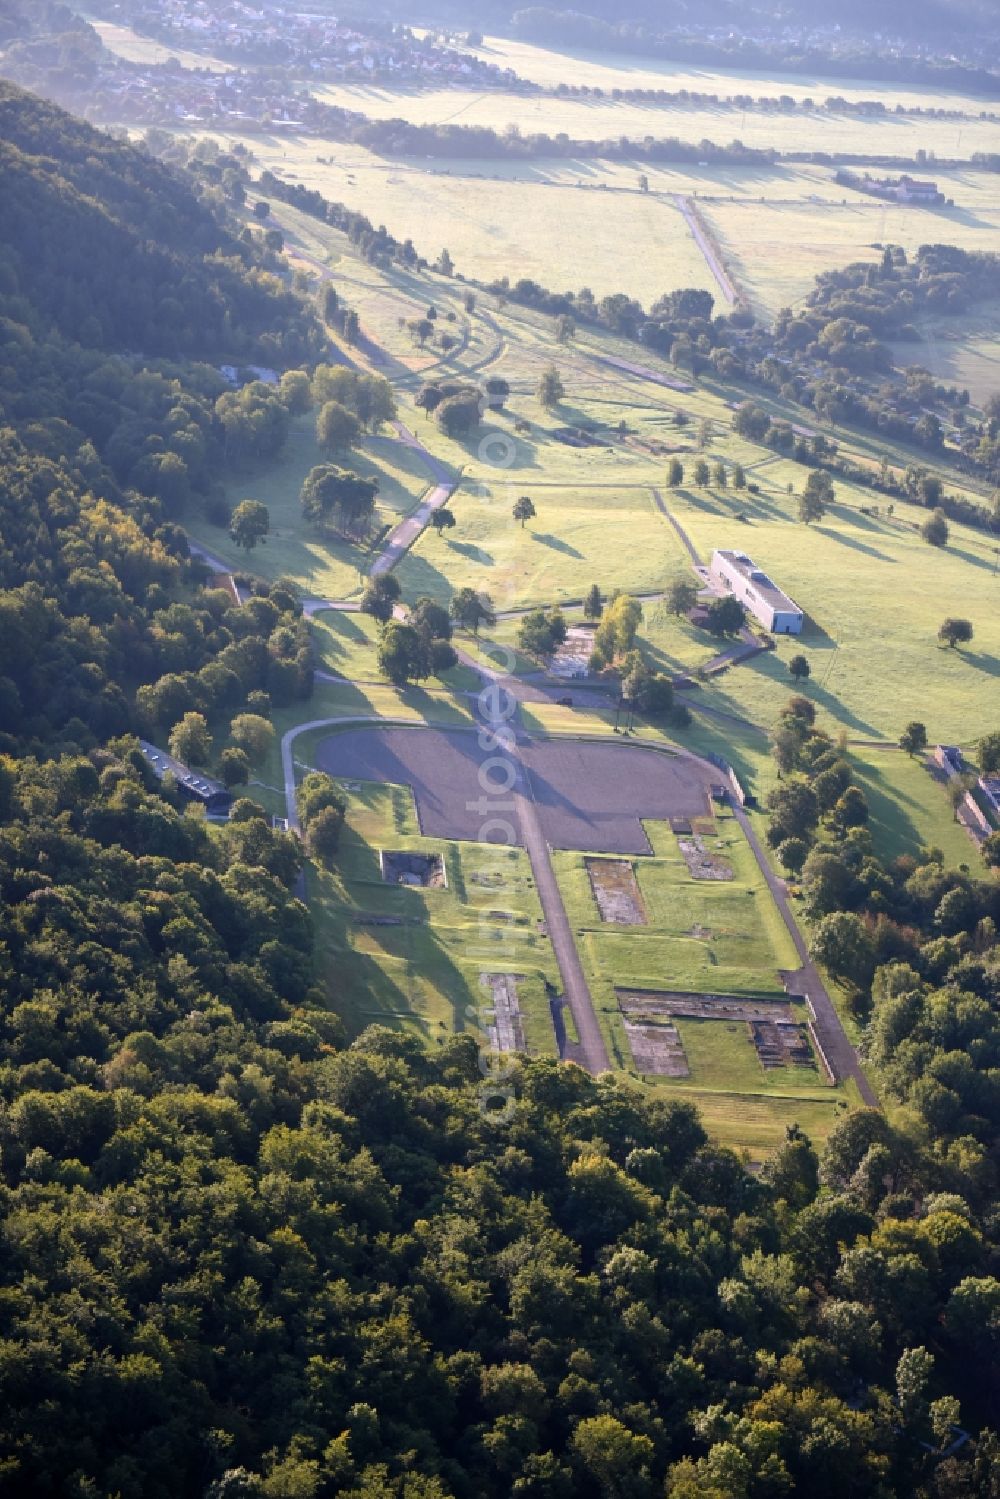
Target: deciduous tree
190	742
681	595
914	738
955	631
336	427
524	509
249	524
252	734
550	388
471	609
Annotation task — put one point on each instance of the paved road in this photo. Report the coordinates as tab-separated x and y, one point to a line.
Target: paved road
591	1051
405	534
319	606
711	258
840	1054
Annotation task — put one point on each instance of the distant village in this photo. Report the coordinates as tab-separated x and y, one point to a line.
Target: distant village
307	43
259	70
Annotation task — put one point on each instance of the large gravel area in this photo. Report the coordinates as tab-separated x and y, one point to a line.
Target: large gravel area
591	797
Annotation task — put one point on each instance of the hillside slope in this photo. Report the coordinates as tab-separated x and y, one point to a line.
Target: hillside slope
111	249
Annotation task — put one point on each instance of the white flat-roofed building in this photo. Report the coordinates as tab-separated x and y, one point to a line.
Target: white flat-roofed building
741	576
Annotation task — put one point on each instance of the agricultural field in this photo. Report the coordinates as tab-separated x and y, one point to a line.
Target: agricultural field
500	218
549	68
607	119
776	248
779	226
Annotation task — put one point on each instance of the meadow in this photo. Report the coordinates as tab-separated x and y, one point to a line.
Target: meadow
608	119
776	248
126	43
964	351
779	226
874	594
576	539
321	563
496	218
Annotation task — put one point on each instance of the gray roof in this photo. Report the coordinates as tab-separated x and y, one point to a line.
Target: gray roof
763	586
192	781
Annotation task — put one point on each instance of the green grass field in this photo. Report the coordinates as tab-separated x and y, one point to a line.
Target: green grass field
577	537
323	566
874	594
703	936
725	936
421	972
909	809
348	645
755	1125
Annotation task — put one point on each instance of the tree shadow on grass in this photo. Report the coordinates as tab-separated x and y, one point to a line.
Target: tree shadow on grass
988	664
419	576
815	637
700	502
972	557
556	542
480	450
772	668
473	552
893	829
338	629
854	544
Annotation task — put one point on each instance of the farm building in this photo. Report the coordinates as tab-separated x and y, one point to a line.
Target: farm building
754	589
990	787
949	758
213	795
897	189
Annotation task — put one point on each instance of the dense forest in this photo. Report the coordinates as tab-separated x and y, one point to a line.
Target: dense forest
239	1257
